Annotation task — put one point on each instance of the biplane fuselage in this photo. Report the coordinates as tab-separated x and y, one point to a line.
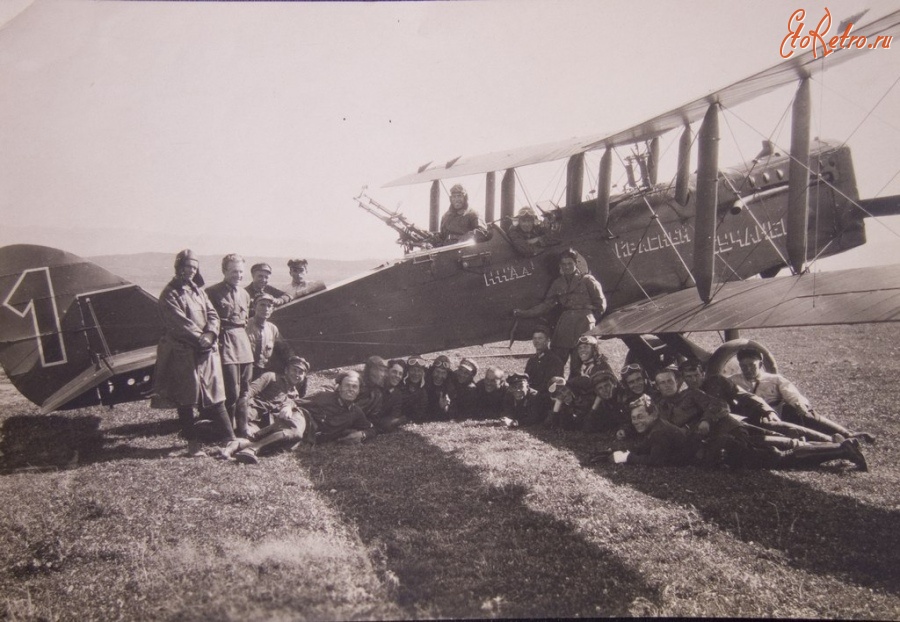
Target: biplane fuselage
463	294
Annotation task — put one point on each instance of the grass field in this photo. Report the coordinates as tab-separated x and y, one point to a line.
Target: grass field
103	518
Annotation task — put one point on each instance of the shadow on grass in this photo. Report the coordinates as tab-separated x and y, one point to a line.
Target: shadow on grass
454	546
43	442
48	441
161	427
810	529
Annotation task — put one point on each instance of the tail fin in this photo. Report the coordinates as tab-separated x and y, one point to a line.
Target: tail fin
73	334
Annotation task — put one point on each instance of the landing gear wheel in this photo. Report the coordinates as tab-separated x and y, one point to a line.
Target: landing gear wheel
724	352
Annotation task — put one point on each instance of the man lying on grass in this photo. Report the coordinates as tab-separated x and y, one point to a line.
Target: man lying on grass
272	399
705	419
656	442
522	405
650	440
607	412
753	409
326	416
780	393
334	415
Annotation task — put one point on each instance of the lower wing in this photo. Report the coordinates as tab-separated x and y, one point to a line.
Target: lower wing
855	296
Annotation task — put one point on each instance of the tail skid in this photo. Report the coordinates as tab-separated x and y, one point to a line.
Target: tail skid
71	333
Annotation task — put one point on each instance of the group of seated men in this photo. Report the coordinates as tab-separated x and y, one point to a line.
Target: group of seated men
753	419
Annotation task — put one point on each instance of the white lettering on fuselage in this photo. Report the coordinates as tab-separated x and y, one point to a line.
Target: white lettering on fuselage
508	273
726	241
749	236
675	237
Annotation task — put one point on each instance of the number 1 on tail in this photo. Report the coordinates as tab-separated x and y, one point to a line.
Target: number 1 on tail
33	294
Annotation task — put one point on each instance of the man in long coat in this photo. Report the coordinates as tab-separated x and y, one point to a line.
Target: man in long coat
188	367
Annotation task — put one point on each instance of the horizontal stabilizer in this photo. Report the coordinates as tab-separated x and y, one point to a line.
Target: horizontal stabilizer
95	374
855	296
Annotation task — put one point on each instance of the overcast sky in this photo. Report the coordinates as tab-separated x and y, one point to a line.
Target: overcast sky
249	127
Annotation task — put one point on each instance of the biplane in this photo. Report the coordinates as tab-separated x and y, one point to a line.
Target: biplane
673	257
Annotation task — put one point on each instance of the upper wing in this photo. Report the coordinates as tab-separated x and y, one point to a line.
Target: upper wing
855	296
798	66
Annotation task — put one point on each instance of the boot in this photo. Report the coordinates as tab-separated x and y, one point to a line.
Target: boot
222	422
869	439
854	455
813	455
195	450
247	456
233	447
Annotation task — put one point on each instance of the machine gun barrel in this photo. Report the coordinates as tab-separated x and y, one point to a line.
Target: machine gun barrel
411	237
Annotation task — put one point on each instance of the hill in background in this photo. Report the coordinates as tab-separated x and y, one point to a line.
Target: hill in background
153	270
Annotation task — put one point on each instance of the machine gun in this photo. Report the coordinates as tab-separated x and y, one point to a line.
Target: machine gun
411	237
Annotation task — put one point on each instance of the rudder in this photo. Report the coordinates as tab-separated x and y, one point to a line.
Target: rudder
70	330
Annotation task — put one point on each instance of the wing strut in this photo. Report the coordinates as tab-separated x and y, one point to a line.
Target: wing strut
604	184
798	179
653	160
433	222
683	175
490	192
508	193
707	197
575	179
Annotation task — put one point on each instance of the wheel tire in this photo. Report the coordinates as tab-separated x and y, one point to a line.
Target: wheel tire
727	350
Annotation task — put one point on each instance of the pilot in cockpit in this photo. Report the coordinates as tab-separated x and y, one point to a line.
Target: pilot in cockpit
459	223
527	235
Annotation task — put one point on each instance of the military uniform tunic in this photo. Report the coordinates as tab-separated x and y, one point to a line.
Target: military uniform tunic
686	409
489	403
775	389
415	400
662	444
531	243
525	412
541	367
233	306
263	340
271	392
579	296
333	417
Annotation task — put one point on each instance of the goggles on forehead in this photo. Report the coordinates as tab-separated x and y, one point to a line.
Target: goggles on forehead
415	361
631	367
442	365
587	339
